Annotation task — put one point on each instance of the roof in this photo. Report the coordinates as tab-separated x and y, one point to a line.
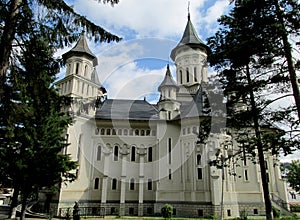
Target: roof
81	47
168	80
95	78
189	38
123	109
195	107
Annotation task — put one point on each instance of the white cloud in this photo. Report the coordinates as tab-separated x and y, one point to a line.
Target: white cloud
155	18
124	72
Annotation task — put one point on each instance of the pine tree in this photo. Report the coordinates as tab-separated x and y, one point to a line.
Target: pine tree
57	20
33	124
247	52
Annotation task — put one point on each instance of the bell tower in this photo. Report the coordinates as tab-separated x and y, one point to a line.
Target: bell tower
81	81
190	57
168	105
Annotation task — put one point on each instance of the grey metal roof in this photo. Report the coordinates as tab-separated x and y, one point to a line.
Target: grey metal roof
81	47
123	109
95	78
189	38
168	80
195	107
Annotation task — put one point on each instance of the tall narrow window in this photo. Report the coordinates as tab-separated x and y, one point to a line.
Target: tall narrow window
82	88
77	68
180	76
199	173
195	74
150	149
170	174
79	146
244	156
116	153
85	70
131	184
170	150
198	159
99	149
149	184
246	175
96	183
114	184
133	154
187	75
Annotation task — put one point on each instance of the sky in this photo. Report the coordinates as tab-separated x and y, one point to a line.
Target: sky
150	29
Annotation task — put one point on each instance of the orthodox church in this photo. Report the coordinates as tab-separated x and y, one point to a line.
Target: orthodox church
134	156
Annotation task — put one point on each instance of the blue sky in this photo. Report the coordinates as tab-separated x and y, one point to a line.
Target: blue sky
134	67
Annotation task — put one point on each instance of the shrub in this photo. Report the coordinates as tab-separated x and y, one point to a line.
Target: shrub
276	212
167	211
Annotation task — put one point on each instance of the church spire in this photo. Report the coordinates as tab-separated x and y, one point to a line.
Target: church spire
189	15
189	38
81	48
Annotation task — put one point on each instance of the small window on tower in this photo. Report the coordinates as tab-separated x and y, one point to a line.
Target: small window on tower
77	68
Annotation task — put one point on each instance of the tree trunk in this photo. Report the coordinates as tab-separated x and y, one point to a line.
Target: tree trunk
8	36
14	203
24	205
289	59
263	173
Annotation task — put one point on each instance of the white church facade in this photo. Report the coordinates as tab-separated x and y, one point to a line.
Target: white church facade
135	156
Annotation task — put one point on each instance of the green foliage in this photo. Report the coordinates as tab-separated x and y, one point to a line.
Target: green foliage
276	212
33	123
293	175
167	211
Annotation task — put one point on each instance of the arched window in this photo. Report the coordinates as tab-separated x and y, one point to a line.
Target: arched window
76	68
102	132
137	132
187	75
96	183
132	154
131	184
99	149
85	70
116	153
108	131
125	132
114	184
119	131
180	76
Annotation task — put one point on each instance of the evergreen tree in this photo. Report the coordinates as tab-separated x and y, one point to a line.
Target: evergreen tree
247	52
293	175
54	18
33	124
